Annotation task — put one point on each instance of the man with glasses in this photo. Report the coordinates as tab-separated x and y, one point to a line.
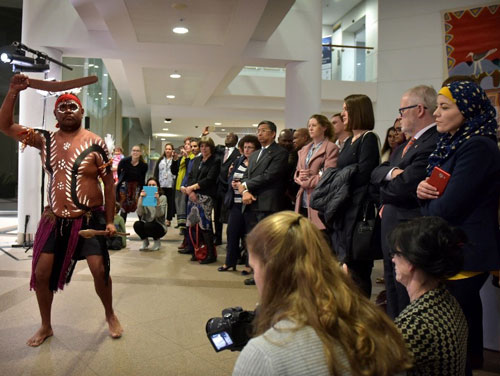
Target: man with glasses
398	178
74	159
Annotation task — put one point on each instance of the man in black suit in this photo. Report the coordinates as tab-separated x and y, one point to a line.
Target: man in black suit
398	178
263	184
227	155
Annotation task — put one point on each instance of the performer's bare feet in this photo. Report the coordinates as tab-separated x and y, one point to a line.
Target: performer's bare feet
115	328
40	336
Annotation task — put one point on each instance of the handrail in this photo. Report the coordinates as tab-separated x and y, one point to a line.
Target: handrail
345	46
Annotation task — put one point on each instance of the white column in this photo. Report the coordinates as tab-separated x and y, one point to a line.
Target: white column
303	79
33	109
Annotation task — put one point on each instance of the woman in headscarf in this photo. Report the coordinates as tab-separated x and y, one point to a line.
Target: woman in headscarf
467	150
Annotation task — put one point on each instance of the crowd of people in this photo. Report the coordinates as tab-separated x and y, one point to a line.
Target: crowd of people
307	212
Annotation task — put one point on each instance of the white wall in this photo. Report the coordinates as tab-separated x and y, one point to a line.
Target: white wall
410	50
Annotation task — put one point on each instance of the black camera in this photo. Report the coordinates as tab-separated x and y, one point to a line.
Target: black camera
231	331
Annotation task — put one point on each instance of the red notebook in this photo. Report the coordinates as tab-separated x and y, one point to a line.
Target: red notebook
439	179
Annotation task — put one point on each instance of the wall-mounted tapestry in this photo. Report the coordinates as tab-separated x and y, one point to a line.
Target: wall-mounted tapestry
472	42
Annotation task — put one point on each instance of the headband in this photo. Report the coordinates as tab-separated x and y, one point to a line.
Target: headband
445	90
67	96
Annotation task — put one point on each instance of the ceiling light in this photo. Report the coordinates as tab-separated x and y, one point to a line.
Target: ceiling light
175	75
217	123
105	75
170	96
167	121
180	28
255	125
96	66
109	98
165	129
223	129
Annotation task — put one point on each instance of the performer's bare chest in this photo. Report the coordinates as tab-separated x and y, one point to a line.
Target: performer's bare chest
72	165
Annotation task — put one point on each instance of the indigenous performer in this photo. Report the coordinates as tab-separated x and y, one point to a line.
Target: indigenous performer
74	159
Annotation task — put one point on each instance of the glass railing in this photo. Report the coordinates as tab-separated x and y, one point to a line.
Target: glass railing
341	63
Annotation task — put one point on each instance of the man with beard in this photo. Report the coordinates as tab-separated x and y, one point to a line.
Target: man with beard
73	158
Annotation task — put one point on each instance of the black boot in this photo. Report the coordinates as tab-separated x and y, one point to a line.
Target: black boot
208	238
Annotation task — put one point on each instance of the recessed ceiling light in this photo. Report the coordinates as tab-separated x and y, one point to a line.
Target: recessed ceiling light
96	66
100	93
165	129
105	75
109	98
255	125
170	96
180	30
217	123
167	121
175	75
223	129
163	139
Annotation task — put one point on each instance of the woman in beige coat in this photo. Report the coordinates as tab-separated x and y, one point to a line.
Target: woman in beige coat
314	158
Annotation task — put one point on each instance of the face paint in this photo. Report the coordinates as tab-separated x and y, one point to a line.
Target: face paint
71	106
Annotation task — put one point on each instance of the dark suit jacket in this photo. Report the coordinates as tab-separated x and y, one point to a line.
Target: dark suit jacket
399	195
470	201
224	168
266	178
205	174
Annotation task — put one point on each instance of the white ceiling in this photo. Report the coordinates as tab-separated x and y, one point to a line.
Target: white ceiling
135	40
208	57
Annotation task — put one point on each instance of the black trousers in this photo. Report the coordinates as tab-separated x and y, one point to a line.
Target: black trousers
149	230
170	194
220	214
236	231
466	291
361	272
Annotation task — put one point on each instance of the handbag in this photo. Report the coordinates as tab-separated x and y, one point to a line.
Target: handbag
200	249
362	236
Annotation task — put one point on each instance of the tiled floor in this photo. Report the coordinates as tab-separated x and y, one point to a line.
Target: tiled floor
162	300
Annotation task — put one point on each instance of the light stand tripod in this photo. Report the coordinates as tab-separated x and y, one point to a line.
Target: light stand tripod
25	244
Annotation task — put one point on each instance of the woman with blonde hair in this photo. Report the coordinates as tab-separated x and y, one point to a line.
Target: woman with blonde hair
312	319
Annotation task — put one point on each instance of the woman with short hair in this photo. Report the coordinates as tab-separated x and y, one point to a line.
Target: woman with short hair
201	191
236	226
426	251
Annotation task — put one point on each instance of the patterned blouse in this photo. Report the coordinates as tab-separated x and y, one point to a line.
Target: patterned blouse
435	331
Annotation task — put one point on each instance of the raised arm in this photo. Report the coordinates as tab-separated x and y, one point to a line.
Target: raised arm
18	83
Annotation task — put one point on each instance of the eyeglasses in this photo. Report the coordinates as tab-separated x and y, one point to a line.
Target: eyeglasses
65	106
395	252
398	129
135	151
402	109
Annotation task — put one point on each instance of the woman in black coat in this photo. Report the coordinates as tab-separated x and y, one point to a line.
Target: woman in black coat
201	191
362	150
